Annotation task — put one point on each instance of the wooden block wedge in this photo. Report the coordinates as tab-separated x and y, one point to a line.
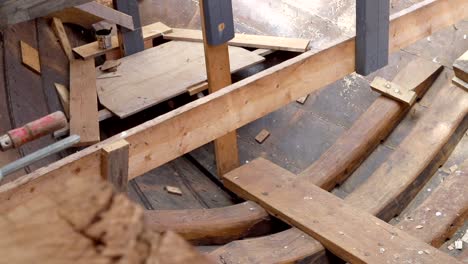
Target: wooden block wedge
353	235
460	67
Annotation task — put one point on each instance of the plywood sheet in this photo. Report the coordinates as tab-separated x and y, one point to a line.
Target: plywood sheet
160	73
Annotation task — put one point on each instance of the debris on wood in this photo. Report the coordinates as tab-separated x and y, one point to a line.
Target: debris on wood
303	99
109	75
30	57
419	227
110	65
262	136
173	190
459	244
451	247
453	168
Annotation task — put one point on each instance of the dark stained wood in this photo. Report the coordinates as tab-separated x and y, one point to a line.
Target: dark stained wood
450	200
211	227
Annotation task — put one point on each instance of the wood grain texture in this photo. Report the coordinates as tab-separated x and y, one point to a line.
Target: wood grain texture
62	36
13	11
209	226
64	96
354	236
244	40
92	49
460	66
83	102
108	14
115	164
153	142
30	57
167	70
450	200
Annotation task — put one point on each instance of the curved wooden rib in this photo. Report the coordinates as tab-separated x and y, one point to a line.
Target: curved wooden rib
211	226
387	190
451	200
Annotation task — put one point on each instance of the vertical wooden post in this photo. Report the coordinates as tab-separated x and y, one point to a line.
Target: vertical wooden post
114	164
130	42
219	76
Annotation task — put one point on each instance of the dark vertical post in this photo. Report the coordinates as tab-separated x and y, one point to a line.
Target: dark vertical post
372	35
130	41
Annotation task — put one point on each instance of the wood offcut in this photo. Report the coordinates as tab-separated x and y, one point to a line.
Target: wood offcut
30	57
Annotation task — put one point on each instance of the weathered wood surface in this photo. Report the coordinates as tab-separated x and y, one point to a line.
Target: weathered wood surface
351	234
115	165
386	192
210	226
461	67
88	223
312	66
450	200
13	11
244	40
59	30
167	70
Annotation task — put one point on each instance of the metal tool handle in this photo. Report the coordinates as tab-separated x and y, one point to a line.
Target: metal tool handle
38	155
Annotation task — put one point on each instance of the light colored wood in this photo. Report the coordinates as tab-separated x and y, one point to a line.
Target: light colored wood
173	190
197	88
108	14
110	65
104	114
354	236
245	40
461	67
83	102
450	200
302	99
30	57
167	70
12	11
115	164
62	36
172	135
393	90
263	52
64	96
460	83
262	136
92	50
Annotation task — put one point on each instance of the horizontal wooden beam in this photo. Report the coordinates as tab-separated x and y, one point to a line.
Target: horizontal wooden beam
108	14
169	136
14	11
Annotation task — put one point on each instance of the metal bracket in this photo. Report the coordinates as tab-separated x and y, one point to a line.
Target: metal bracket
394	91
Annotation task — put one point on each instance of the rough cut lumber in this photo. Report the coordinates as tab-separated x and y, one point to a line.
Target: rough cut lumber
218	71
451	200
64	96
244	40
262	136
115	164
388	190
348	152
195	124
209	226
109	14
62	36
352	235
87	223
92	49
14	11
393	90
461	67
84	117
30	57
168	70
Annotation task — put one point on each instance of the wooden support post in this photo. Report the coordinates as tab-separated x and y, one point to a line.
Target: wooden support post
219	76
62	36
372	35
131	42
115	164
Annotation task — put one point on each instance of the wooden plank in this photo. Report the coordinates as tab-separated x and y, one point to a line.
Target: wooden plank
393	90
354	236
461	67
209	226
83	102
460	83
202	121
169	70
64	96
30	57
245	40
92	49
115	164
450	200
108	14
218	70
130	41
62	36
12	12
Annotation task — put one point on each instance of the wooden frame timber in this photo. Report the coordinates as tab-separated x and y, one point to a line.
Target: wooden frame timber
247	101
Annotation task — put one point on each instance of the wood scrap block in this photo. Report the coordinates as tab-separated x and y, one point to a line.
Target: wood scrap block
460	67
30	57
62	36
173	190
460	83
394	91
114	164
303	99
84	117
353	235
262	136
64	96
110	65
